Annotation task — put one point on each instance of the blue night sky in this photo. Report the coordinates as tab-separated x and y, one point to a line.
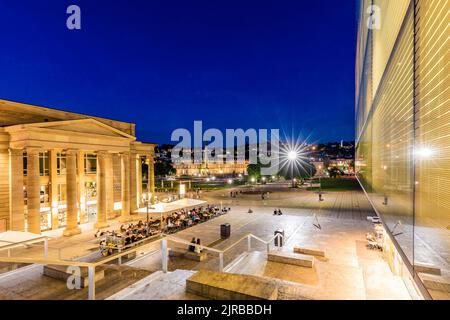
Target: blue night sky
163	64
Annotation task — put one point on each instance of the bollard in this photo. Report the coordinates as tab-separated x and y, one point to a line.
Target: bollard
164	255
91	273
221	262
279	239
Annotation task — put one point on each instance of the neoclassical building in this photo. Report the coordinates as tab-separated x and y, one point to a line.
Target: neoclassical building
61	169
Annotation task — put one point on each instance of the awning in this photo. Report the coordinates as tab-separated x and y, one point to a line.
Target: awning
163	207
10	239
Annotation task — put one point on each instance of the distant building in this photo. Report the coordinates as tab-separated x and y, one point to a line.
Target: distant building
211	168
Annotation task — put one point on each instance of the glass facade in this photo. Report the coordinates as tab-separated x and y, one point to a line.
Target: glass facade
403	128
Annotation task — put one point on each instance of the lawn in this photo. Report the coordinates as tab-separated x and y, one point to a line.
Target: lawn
337	184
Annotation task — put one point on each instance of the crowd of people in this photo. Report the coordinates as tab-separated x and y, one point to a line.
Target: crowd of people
126	235
175	221
185	218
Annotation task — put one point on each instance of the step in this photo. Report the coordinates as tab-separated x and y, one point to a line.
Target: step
434	282
61	273
427	268
310	251
230	286
291	258
157	286
235	262
182	253
124	293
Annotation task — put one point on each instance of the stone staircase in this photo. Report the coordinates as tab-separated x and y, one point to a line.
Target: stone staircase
437	282
232	286
158	286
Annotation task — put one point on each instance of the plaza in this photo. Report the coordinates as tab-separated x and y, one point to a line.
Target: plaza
107	191
349	269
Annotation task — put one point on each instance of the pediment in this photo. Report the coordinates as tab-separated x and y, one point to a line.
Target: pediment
82	126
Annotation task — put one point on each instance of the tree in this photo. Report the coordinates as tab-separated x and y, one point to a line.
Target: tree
164	168
300	172
254	170
334	172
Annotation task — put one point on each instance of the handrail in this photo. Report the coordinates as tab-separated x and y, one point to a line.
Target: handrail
182	241
46	261
278	235
125	252
30	242
128	249
236	242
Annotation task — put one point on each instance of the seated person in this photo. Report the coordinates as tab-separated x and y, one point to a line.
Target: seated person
191	248
198	248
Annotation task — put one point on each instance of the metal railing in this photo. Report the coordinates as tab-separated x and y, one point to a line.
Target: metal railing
220	252
133	248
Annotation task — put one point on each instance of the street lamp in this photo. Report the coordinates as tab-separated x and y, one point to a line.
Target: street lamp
292	157
146	198
320	183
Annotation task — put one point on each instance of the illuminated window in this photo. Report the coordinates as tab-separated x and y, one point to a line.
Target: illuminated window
90	163
44	194
43	164
61	163
25	163
61	192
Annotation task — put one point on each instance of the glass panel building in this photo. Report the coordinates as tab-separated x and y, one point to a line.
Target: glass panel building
403	134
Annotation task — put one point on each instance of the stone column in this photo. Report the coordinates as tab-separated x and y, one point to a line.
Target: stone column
139	181
71	193
53	154
125	186
33	191
109	186
117	181
17	217
133	182
101	190
81	188
151	177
